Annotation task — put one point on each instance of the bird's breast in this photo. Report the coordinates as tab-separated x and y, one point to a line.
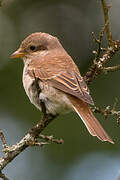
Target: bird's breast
55	101
30	88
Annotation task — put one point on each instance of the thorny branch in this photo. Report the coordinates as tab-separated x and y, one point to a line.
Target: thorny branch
102	57
98	66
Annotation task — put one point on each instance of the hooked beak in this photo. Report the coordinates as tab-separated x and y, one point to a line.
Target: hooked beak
18	54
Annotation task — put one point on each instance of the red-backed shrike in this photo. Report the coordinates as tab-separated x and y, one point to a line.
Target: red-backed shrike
60	84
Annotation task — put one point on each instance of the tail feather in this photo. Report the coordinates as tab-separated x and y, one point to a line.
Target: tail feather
92	124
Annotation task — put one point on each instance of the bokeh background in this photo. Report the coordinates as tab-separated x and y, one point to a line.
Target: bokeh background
82	157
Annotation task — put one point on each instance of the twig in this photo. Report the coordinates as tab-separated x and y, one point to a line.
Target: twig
98	68
99	42
51	139
35	142
108	111
3	139
2	176
106	19
112	69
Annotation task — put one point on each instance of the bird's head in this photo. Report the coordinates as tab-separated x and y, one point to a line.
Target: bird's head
35	44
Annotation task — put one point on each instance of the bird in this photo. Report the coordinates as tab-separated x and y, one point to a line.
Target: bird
51	76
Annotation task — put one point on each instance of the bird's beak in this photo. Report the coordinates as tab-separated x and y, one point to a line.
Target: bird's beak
18	54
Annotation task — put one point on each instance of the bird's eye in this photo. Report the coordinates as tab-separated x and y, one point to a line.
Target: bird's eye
32	48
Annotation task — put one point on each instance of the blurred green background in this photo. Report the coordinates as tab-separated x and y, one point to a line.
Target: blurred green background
82	157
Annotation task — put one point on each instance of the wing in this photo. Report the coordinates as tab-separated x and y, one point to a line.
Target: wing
61	75
72	83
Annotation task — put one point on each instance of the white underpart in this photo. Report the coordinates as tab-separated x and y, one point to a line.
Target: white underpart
56	102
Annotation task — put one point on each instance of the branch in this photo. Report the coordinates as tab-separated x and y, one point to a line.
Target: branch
30	138
98	68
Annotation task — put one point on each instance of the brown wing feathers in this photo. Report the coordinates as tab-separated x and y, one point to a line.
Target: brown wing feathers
72	86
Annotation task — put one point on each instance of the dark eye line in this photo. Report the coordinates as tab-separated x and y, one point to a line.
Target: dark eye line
37	48
41	47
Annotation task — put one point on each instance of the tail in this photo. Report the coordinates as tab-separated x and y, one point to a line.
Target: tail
93	126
